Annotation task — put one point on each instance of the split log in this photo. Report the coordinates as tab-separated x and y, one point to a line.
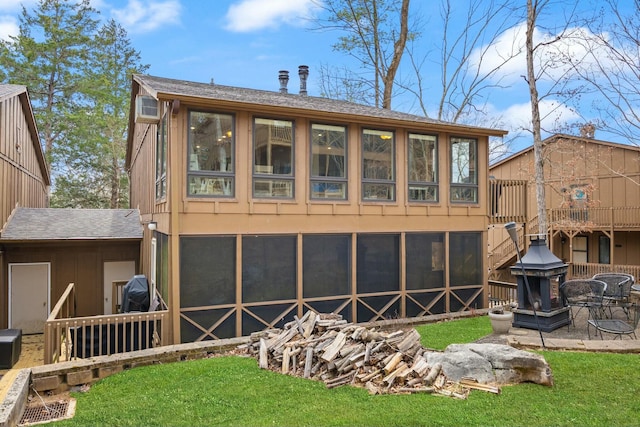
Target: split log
391	365
308	362
474	384
311	324
429	390
433	374
264	355
332	350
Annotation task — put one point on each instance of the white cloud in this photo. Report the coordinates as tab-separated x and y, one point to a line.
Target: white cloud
576	44
15	5
142	17
554	116
8	27
252	15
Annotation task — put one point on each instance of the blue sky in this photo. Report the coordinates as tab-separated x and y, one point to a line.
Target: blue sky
246	42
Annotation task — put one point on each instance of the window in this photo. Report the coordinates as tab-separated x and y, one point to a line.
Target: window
273	158
580	250
328	162
211	154
423	168
378	174
161	159
604	249
464	170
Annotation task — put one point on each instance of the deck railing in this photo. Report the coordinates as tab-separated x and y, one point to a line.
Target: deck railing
586	270
623	217
68	337
502	293
508	200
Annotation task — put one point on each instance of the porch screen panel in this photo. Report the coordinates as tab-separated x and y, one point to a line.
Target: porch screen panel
207	270
465	259
425	260
162	265
325	265
268	268
378	261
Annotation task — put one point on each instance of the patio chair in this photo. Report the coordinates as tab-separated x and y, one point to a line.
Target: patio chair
618	327
618	290
581	293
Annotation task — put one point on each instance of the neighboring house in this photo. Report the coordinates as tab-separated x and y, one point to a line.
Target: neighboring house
267	204
24	177
42	250
592	191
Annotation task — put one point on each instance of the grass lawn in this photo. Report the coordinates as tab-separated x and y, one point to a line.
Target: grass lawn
591	389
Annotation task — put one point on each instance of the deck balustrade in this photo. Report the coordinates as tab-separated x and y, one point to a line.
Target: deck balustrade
68	337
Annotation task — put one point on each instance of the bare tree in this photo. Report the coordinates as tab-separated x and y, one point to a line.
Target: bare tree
466	75
375	34
612	68
545	64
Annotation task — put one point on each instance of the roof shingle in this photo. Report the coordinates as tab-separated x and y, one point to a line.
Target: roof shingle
72	224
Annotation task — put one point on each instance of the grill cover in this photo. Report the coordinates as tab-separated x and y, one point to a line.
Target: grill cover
135	295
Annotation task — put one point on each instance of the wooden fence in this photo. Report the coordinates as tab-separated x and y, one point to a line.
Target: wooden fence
68	337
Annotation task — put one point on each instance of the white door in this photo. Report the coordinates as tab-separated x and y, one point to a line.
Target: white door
115	271
29	288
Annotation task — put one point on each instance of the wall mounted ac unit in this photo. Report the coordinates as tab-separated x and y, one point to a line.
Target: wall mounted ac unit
147	110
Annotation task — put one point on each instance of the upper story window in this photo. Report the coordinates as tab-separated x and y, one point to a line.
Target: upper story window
161	159
423	168
378	172
211	154
273	158
464	170
328	162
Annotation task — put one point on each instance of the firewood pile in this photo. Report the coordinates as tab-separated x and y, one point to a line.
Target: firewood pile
327	348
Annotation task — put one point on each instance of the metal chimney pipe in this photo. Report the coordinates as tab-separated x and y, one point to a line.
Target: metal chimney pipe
284	80
303	72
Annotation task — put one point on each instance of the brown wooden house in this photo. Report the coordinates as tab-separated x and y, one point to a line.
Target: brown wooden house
24	177
264	205
593	204
42	250
23	170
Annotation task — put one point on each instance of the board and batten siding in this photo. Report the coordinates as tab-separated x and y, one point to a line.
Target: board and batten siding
22	180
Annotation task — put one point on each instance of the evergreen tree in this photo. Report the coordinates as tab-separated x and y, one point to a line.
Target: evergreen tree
79	80
97	146
47	56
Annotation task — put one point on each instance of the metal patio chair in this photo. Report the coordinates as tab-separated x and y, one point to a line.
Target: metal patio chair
618	290
618	327
581	293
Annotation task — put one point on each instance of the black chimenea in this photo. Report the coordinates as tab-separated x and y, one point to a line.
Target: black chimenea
544	273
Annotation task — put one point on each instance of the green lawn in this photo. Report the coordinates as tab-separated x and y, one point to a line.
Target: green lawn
590	390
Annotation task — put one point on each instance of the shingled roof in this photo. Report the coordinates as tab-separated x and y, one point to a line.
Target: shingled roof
72	224
165	88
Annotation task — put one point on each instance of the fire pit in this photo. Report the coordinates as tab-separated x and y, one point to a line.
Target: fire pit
544	273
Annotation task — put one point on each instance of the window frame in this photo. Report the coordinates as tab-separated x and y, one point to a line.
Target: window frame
211	175
161	157
365	181
424	185
270	178
473	170
329	180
